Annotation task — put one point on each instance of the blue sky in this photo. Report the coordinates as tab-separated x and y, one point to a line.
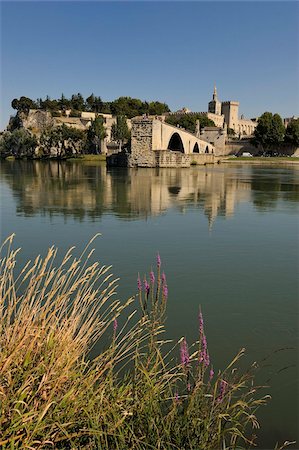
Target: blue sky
167	51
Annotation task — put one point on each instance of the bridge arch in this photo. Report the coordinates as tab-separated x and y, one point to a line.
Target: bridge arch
176	143
196	148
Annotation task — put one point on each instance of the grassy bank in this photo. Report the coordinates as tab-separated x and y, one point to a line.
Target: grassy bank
140	392
88	158
262	160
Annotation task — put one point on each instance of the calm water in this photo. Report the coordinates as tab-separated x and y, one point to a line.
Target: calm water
228	238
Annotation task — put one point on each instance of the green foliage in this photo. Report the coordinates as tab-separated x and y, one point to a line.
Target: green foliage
66	140
95	134
64	103
127	106
157	108
132	107
120	131
94	104
270	131
77	102
75	113
231	132
292	132
18	143
23	104
188	121
49	105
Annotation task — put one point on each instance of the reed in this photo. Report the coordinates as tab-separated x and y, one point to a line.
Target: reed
136	394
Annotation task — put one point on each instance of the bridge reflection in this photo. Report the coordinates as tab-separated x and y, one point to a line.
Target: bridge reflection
85	190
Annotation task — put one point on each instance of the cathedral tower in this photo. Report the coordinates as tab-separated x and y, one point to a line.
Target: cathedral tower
215	104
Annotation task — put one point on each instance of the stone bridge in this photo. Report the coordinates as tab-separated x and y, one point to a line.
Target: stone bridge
158	135
157	144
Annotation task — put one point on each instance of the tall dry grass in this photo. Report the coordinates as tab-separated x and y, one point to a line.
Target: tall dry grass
136	394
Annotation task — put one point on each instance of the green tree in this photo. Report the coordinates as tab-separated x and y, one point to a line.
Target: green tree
50	105
19	143
188	121
120	131
157	108
292	132
270	131
63	103
77	102
90	102
95	134
23	104
126	106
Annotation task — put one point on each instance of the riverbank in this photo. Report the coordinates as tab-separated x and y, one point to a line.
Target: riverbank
277	160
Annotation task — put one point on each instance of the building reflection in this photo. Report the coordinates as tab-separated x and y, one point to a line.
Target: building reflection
89	190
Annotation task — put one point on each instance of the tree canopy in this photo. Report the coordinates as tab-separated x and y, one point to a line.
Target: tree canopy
127	106
188	121
270	130
18	143
95	134
292	132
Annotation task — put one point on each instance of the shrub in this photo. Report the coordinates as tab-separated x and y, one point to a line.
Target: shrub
135	394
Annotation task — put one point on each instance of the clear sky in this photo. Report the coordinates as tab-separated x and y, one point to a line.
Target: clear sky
168	51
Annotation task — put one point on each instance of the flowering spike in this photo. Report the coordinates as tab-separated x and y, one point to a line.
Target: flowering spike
115	325
200	319
165	291
152	277
185	359
139	284
146	286
222	390
211	373
158	260
163	278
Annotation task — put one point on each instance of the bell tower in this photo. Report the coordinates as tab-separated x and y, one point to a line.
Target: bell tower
215	105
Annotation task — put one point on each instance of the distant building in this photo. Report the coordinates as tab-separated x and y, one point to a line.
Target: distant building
225	114
287	120
230	111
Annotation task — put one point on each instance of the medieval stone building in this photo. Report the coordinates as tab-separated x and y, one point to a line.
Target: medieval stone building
228	112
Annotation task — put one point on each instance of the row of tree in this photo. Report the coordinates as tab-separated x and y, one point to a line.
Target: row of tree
63	141
270	132
126	106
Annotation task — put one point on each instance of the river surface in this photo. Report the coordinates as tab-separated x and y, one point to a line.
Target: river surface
228	236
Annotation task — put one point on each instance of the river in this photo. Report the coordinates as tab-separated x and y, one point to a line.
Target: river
228	239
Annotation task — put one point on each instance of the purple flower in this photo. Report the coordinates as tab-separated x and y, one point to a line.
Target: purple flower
211	373
139	285
152	277
222	390
146	286
163	278
176	397
185	359
188	387
204	354
115	325
158	260
165	291
200	318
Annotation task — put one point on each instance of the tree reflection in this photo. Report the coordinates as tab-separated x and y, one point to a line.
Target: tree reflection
85	189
